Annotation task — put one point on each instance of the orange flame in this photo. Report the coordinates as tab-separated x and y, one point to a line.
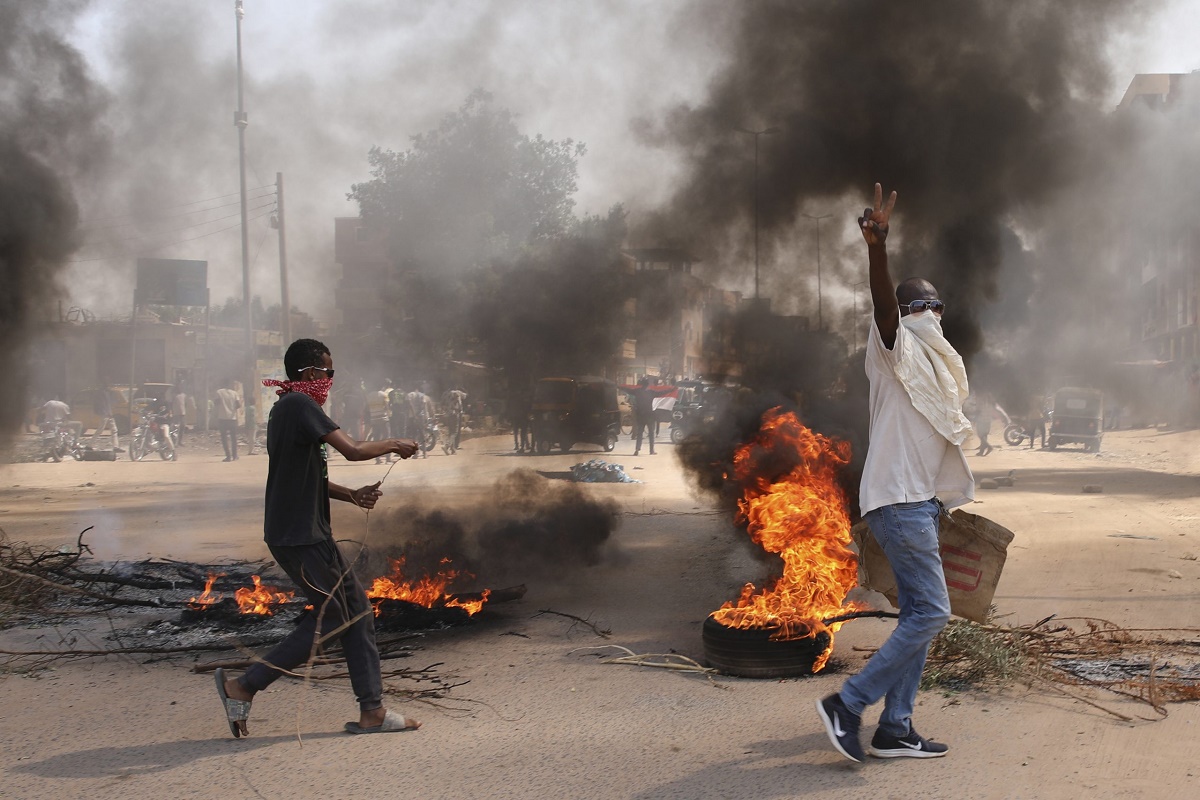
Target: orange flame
207	597
802	517
427	591
472	607
261	599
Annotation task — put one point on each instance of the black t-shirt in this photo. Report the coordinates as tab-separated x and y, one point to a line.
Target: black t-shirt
643	403
297	506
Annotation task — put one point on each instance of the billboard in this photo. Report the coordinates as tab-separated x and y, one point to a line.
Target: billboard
171	282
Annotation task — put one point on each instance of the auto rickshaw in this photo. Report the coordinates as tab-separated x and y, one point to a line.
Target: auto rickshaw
571	410
1078	417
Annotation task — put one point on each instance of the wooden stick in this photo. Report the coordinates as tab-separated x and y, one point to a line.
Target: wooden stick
62	587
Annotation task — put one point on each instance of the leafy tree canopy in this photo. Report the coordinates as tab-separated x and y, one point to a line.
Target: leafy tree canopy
472	191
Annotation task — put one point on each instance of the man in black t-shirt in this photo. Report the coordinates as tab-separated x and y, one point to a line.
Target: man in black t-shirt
299	536
643	414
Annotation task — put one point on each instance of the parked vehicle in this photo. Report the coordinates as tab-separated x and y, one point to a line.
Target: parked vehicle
578	409
87	407
152	434
1078	417
699	403
59	441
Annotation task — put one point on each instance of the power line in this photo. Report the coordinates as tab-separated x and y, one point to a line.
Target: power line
141	219
86	222
167	244
184	227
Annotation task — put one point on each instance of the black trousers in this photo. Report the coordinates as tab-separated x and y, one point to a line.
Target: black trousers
228	436
316	570
648	426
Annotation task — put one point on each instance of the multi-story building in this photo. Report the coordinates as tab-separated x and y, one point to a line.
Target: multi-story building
1163	264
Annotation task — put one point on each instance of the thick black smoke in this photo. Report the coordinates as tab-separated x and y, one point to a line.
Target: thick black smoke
524	529
974	112
48	138
988	119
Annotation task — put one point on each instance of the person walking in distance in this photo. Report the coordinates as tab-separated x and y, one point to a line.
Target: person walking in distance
643	414
1038	416
454	404
298	534
179	409
983	424
228	401
377	414
420	414
914	469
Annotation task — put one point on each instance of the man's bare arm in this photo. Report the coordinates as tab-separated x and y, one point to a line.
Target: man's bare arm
364	451
874	226
363	497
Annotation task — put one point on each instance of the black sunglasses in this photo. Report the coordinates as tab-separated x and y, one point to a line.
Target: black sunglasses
328	372
936	306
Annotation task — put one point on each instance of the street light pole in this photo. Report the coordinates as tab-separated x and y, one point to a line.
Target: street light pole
756	134
240	121
854	322
820	321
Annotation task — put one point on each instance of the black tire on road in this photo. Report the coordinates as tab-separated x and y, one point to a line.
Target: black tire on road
543	447
752	653
610	441
677	434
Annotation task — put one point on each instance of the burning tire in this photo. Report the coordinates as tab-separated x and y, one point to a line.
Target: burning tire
751	653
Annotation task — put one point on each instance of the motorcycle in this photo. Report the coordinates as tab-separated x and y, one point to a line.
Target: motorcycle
1015	433
59	441
429	435
152	434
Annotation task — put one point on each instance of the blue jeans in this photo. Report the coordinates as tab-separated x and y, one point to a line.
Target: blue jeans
908	534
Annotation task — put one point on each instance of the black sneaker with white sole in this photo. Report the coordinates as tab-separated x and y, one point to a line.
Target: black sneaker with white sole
914	745
842	726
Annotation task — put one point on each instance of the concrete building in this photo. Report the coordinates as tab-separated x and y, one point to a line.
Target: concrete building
1162	266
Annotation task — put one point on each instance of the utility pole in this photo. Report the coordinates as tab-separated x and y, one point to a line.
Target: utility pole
756	134
820	321
240	121
855	320
285	326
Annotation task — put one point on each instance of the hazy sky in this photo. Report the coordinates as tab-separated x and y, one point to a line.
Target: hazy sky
327	80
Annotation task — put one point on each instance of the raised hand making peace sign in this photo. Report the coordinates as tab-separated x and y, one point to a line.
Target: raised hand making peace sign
874	221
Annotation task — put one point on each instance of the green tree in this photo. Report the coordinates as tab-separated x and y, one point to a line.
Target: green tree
468	200
473	190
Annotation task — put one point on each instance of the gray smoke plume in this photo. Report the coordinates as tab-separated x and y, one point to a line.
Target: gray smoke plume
1015	183
976	113
48	137
524	528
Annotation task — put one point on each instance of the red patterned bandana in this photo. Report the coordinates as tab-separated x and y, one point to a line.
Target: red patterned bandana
318	390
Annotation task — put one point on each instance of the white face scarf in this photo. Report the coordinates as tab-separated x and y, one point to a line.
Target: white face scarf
932	373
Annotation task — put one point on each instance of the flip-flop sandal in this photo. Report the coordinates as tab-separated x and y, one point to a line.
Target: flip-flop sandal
236	711
392	723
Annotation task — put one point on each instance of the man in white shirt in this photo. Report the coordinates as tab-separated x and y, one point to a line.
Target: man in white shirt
914	469
226	405
55	411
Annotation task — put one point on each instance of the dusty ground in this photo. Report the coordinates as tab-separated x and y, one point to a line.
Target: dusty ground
544	722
